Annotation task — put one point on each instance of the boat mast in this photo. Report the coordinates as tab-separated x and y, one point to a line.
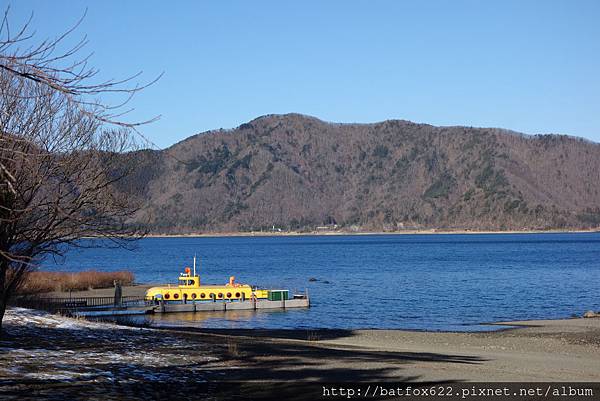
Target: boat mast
194	265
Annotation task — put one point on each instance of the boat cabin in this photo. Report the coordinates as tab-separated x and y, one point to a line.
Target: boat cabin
186	279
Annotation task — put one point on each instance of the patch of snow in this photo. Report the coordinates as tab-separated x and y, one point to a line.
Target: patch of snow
24	317
64	375
93	351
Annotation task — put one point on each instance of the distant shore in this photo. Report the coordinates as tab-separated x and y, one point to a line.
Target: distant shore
361	233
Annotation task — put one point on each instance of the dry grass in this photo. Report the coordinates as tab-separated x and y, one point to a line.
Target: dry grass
40	282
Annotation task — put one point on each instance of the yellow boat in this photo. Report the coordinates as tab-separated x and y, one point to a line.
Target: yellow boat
189	289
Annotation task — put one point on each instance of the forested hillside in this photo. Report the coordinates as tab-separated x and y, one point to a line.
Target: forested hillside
297	173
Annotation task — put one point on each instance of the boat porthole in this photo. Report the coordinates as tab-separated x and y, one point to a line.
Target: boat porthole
167	295
237	294
228	295
175	296
185	296
202	295
220	295
194	296
212	294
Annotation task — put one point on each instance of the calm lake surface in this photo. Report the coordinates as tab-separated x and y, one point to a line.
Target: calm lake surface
428	282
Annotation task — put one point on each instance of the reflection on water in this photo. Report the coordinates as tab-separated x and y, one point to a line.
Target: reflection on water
231	319
252	319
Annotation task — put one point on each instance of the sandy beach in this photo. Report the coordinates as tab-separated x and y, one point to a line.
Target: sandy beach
47	355
540	350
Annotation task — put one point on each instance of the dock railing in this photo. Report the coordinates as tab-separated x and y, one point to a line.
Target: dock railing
68	304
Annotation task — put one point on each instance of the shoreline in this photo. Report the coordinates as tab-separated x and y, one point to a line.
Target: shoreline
494	327
363	233
487	327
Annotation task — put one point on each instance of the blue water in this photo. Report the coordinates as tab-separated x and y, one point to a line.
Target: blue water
428	282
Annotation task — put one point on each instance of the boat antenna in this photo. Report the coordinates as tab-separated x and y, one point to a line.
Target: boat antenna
194	265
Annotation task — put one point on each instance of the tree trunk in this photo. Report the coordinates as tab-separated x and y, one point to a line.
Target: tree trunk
3	295
2	310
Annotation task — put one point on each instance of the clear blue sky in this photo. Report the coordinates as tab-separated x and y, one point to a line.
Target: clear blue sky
530	66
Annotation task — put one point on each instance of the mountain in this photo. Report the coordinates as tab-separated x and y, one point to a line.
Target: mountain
296	172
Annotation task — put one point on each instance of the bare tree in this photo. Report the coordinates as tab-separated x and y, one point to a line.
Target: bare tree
65	72
57	144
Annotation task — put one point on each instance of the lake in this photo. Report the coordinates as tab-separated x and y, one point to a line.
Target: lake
425	282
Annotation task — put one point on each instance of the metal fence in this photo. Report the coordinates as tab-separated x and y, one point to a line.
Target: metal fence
73	303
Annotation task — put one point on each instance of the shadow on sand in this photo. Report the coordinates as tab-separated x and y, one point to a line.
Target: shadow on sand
249	364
